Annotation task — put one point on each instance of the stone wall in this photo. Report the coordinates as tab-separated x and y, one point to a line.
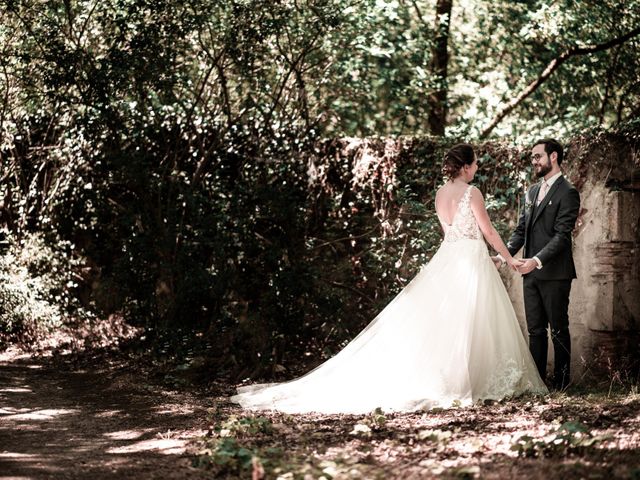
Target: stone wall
604	167
604	311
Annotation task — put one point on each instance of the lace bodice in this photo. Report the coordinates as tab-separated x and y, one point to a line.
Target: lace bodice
463	225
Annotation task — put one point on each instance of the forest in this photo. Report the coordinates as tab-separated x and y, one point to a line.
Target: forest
198	193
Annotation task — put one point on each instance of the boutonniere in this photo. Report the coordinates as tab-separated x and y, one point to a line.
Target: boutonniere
528	203
550	202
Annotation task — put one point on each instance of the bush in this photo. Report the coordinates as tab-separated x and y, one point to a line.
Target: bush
36	289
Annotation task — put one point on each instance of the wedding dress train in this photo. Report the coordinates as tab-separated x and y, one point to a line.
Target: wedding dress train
449	337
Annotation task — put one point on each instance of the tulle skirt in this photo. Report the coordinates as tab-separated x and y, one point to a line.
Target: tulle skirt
450	337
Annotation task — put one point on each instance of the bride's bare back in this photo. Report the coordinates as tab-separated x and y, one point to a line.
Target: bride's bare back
448	199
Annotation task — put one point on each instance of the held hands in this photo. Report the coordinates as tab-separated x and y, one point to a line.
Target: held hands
528	265
514	263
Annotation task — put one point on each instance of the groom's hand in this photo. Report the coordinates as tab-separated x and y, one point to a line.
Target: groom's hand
496	261
528	265
515	264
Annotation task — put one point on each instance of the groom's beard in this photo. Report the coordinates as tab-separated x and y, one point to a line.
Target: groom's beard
543	169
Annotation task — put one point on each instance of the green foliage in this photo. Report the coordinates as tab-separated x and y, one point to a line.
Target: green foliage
570	437
501	47
599	439
177	151
38	289
244	426
225	452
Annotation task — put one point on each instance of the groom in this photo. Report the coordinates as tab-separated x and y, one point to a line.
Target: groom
544	230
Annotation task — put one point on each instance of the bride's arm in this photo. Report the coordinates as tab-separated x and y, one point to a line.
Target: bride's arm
487	228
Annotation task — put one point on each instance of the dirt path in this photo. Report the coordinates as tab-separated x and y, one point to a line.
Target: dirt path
93	425
110	422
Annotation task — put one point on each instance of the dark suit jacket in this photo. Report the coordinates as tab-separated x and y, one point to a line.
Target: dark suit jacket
545	231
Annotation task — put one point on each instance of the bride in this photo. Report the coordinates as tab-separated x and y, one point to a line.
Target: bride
450	337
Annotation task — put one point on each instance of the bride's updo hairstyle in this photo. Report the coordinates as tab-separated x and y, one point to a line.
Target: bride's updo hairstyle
457	157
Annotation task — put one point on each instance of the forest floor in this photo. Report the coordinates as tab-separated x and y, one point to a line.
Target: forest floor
116	416
96	422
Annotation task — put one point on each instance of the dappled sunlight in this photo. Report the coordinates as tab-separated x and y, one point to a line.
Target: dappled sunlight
40	415
495	440
56	421
197	195
127	434
173	409
19	456
144	435
12	354
16	390
12	411
108	413
165	446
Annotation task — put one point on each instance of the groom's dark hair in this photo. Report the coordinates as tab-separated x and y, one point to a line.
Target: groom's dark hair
551	145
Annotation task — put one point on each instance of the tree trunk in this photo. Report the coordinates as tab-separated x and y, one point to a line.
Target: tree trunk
437	100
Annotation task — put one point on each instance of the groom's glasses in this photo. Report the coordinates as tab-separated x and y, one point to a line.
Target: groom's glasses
536	157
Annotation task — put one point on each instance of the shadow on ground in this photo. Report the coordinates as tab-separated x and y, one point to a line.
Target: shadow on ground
93	424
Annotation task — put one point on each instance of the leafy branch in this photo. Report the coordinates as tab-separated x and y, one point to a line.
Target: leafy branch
548	71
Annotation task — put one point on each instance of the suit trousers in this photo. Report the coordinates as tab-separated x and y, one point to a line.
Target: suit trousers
546	303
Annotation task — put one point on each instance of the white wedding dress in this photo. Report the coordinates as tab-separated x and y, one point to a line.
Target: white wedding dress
451	337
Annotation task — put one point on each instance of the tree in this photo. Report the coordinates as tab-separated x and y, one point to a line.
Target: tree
172	143
439	59
552	67
501	48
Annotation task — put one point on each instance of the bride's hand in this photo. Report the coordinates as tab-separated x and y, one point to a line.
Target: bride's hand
515	263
